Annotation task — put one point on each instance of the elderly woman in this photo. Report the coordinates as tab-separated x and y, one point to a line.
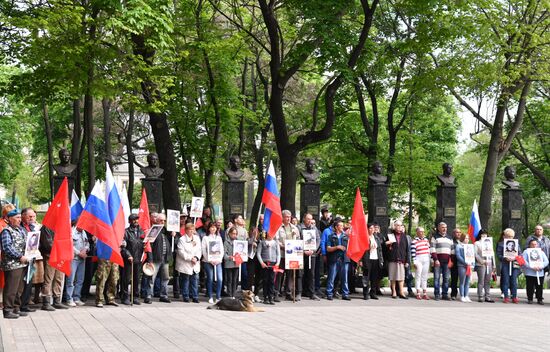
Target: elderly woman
13	264
509	269
398	257
188	257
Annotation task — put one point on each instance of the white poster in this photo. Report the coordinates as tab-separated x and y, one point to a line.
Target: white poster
535	258
153	233
215	251
172	220
294	254
487	247
469	254
197	203
510	248
310	240
391	238
241	247
31	249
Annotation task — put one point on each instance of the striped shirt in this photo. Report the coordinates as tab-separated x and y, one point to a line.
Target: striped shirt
420	247
441	248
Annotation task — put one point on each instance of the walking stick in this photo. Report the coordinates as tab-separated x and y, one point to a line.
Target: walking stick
132	285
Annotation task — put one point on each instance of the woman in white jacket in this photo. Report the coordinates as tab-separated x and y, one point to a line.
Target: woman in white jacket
188	264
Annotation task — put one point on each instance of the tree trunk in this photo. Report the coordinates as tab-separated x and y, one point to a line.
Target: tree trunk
89	127
289	176
130	156
106	105
75	148
49	144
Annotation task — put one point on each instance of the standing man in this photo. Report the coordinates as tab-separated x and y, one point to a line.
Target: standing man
107	273
338	261
543	243
441	247
161	253
310	257
13	264
29	224
131	251
287	231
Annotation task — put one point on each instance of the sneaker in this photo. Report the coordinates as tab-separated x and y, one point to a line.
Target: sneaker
425	297
99	305
540	301
506	300
10	315
315	298
165	300
211	300
112	303
195	300
79	303
217	300
276	299
437	298
147	301
185	300
480	299
71	304
515	300
529	301
489	300
136	302
346	298
28	310
126	302
468	299
453	298
329	298
418	297
463	300
257	299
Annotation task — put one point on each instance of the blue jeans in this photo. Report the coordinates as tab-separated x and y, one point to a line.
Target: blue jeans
74	282
185	280
210	279
509	280
464	282
339	269
443	269
162	269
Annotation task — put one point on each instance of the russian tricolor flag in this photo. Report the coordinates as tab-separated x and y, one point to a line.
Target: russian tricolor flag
76	206
475	223
103	217
272	216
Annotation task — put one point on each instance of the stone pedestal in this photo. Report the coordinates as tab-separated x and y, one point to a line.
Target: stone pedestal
377	195
310	200
232	199
446	207
512	210
153	189
57	180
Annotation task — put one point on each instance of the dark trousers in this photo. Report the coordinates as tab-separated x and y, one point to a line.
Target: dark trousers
309	275
13	284
279	289
27	289
269	282
176	275
532	285
89	273
126	278
454	279
371	275
254	271
231	280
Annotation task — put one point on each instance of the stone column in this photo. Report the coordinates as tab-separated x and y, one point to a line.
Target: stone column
232	198
153	189
310	200
377	195
512	206
446	206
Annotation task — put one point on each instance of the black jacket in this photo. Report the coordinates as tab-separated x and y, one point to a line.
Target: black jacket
46	241
156	247
379	251
133	243
400	252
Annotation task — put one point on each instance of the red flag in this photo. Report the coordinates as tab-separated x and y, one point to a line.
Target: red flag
237	258
58	219
359	237
144	220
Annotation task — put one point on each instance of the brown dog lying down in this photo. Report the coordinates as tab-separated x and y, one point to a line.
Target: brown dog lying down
246	304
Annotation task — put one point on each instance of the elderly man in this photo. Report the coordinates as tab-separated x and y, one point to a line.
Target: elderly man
131	251
13	264
53	278
287	231
441	247
161	249
543	242
310	256
29	224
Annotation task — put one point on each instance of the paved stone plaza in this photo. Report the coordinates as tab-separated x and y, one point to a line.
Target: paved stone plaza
384	325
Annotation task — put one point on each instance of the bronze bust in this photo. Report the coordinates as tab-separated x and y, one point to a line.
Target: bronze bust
234	172
376	177
64	168
309	174
152	170
510	175
447	179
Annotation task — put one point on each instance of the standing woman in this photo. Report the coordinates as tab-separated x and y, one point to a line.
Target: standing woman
420	253
534	272
508	278
484	268
213	241
398	256
188	257
462	267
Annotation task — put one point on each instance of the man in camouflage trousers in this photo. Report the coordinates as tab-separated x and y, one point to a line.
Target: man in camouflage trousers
107	273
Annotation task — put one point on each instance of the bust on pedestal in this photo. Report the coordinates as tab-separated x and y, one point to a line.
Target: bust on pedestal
446	198
377	194
512	202
152	183
310	191
233	189
64	169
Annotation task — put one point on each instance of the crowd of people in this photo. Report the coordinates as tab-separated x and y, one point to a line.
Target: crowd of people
203	256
